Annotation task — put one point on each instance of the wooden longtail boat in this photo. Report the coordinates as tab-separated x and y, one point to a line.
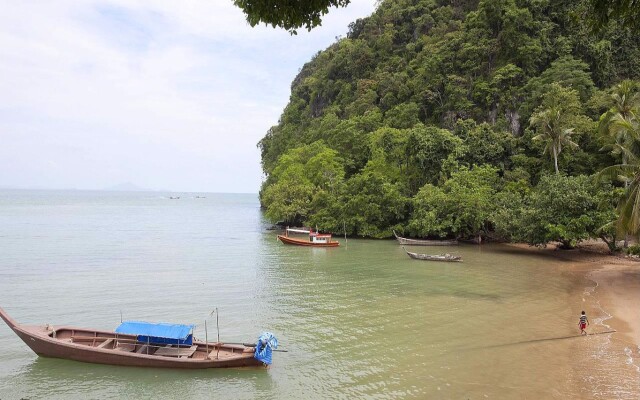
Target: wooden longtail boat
422	242
315	239
429	257
139	350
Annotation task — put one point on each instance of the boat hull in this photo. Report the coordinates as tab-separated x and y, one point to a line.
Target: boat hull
422	242
301	242
41	340
431	257
426	257
415	242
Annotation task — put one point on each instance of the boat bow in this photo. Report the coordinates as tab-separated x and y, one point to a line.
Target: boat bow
7	319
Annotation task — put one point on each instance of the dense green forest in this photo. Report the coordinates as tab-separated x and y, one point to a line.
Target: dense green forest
501	119
292	15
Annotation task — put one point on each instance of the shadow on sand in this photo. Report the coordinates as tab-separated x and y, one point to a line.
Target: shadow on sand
542	340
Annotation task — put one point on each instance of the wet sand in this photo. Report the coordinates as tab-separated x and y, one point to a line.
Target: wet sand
616	278
619	294
607	287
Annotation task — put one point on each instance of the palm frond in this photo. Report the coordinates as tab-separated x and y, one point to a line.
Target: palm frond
615	172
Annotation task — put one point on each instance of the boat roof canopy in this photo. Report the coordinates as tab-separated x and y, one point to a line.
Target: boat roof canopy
298	230
155	330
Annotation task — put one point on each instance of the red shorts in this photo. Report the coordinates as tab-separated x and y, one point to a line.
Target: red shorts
582	326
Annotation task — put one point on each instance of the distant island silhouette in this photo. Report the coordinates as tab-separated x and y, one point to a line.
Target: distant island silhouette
127	187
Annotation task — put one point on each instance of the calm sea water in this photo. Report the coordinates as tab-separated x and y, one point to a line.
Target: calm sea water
359	321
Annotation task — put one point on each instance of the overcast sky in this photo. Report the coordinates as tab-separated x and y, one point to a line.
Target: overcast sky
165	95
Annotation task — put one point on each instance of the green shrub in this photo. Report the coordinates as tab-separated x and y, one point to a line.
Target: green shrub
634	250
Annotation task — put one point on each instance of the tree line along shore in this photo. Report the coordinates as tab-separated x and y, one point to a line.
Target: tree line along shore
508	120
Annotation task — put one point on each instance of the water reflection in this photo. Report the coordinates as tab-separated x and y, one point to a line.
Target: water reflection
362	321
47	377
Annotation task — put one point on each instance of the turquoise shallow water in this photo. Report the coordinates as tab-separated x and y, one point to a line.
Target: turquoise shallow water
359	321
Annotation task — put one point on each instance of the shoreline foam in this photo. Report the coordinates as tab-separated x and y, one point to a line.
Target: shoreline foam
619	286
612	302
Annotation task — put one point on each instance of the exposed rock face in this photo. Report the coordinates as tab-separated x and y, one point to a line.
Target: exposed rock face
513	117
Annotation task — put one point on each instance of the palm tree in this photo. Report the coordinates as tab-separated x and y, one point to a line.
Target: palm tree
621	122
625	98
628	222
549	123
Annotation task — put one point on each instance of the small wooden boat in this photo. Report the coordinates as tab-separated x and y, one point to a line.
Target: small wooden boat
422	242
430	257
139	344
315	239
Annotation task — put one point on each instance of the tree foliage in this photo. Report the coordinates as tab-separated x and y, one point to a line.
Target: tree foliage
289	15
433	117
627	12
622	124
459	208
554	120
560	208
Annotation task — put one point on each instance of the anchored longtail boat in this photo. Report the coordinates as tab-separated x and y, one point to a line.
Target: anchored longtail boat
140	344
422	242
430	257
315	239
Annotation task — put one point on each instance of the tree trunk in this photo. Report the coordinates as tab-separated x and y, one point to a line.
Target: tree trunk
626	185
566	245
555	159
611	244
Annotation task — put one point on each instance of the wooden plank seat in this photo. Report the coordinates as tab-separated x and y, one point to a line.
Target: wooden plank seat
182	352
142	349
105	343
127	347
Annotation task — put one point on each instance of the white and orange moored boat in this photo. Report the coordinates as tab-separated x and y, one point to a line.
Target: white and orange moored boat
315	239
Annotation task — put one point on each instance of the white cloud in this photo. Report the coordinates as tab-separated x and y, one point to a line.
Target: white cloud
160	93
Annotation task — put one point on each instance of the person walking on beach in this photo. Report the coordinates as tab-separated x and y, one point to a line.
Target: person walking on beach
584	321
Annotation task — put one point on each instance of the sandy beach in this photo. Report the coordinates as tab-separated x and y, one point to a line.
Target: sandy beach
608	288
616	279
618	290
617	287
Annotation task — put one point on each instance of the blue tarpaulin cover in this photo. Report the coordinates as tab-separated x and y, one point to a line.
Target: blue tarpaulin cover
264	346
158	332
